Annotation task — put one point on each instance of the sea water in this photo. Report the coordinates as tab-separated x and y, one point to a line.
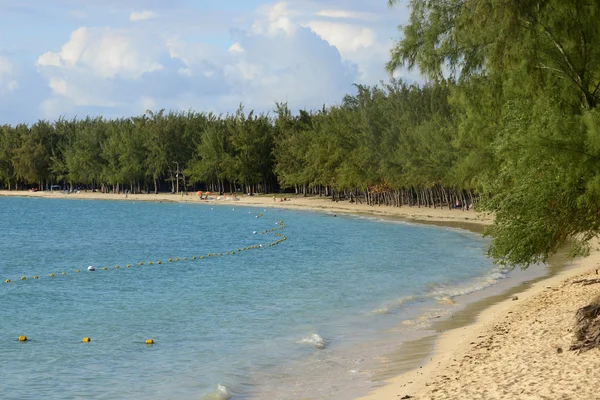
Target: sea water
300	319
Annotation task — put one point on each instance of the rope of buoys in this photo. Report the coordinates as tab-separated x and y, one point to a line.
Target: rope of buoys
279	222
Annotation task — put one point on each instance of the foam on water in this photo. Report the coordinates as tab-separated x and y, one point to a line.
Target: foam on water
315	340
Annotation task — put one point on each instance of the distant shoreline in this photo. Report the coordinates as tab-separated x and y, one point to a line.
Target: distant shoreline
295	202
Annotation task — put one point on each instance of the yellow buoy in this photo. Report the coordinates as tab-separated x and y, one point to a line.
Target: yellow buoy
7	281
51	275
201	257
77	270
64	273
149	341
233	252
208	254
170	260
128	265
141	263
227	253
193	258
159	263
36	277
86	340
177	259
22	338
23	278
150	263
104	269
184	258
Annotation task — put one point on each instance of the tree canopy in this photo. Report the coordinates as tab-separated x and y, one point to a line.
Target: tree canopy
526	103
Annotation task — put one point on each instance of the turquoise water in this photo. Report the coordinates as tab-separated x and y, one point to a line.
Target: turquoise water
298	319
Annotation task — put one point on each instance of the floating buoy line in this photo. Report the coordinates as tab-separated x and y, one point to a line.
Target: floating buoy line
272	232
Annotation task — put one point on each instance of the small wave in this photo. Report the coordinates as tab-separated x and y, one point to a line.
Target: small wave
315	340
382	310
443	293
389	308
222	393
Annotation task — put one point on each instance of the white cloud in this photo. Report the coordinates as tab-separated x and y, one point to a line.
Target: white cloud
236	48
143	15
288	51
105	53
274	19
346	37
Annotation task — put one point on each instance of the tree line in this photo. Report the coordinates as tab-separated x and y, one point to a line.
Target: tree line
389	144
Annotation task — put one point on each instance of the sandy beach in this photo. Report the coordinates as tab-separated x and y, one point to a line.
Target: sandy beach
323	204
518	348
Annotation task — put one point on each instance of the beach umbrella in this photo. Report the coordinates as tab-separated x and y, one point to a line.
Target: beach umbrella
198	193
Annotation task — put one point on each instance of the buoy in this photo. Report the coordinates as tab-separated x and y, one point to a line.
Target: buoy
51	275
36	277
201	257
128	265
233	252
177	259
193	258
117	267
184	258
104	269
22	338
159	263
150	263
254	233
91	268
141	263
7	281
86	340
227	253
23	278
64	273
170	260
149	341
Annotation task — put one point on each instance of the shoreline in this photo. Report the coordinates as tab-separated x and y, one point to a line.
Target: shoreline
451	352
423	214
516	346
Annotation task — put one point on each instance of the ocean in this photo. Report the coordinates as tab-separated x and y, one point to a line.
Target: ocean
310	316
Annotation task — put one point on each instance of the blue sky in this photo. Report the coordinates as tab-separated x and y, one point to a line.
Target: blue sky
122	57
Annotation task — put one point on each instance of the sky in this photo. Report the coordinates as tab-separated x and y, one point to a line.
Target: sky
119	58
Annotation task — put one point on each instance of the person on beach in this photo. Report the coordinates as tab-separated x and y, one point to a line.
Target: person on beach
273	197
